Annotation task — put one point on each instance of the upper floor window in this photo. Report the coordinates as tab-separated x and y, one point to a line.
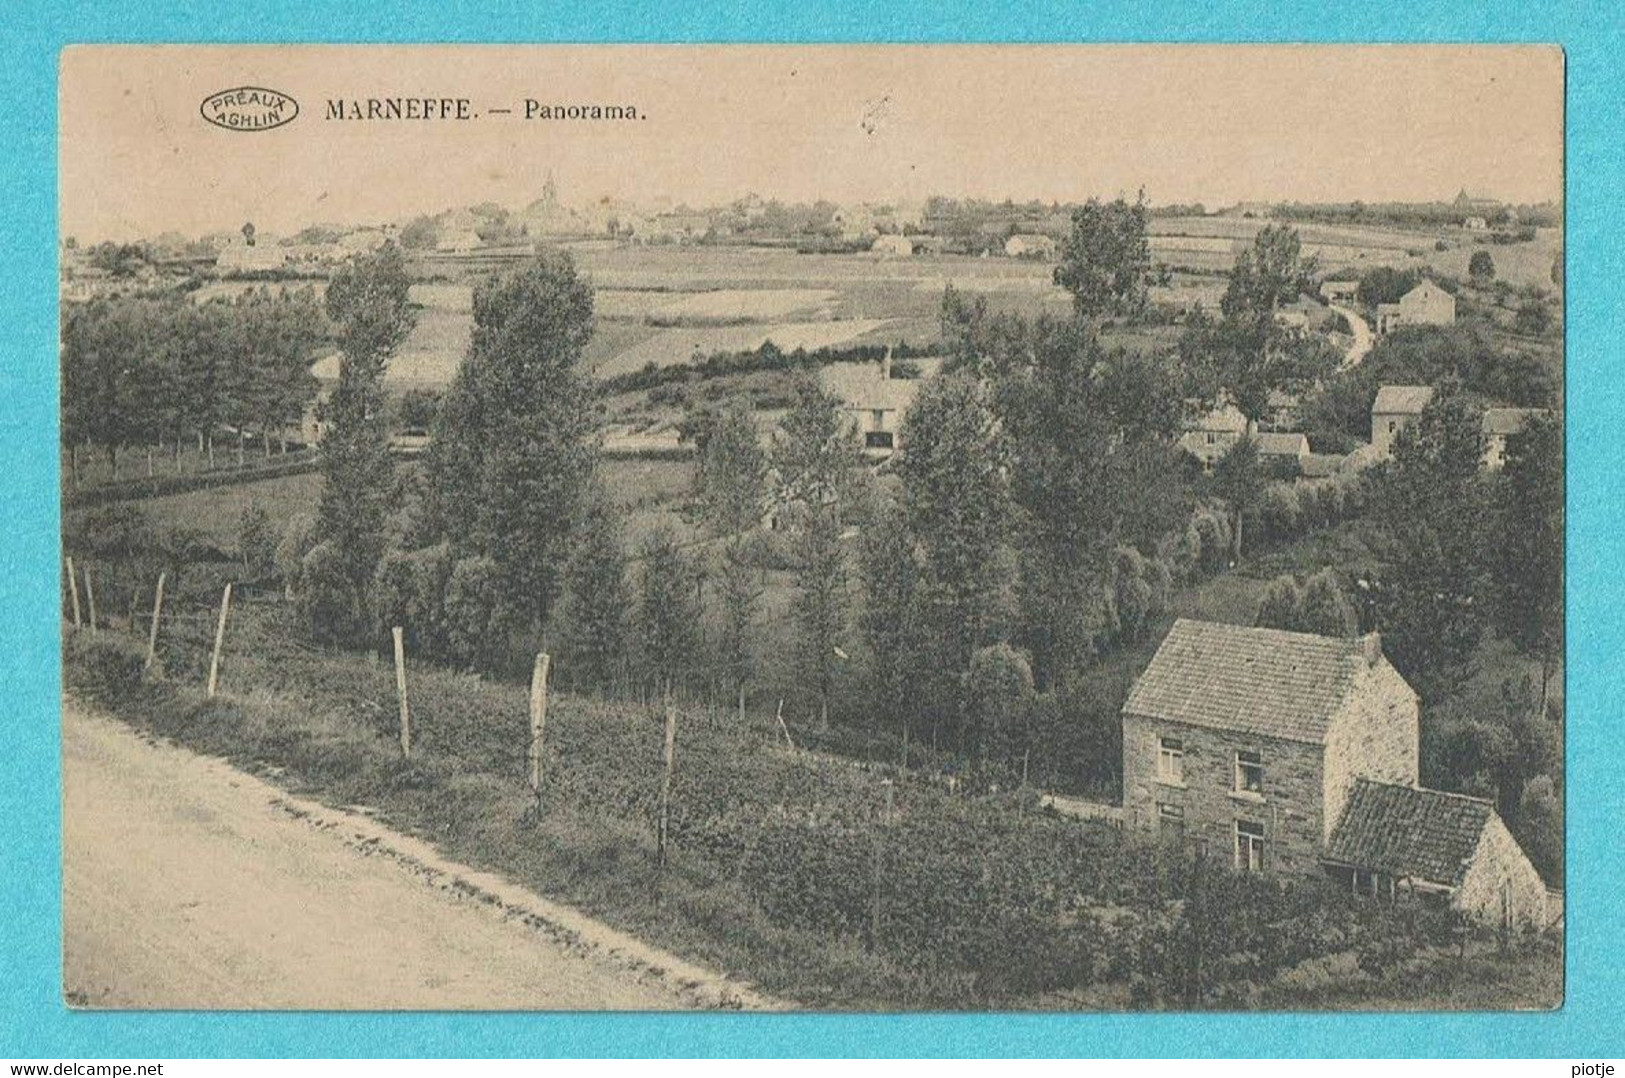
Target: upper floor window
1171	761
1249	772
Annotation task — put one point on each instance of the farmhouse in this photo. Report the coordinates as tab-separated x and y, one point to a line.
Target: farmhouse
1475	224
1283	446
464	240
1029	245
1425	305
1298	754
1339	291
251	258
873	399
1211	436
1501	424
1395	408
893	246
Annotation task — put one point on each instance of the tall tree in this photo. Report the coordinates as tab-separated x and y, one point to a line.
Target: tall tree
598	595
890	573
668	611
733	488
816	461
367	301
956	503
1431	504
513	449
1529	570
1105	259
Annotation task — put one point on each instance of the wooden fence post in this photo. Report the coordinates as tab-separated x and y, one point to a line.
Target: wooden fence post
157	610
400	690
90	598
219	639
73	592
668	756
783	729
538	724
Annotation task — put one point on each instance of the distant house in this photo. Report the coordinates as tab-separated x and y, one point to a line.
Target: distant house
854	222
873	399
1282	446
458	241
1295	754
893	246
1029	245
1340	291
1501	424
259	257
1425	305
1395	408
1210	437
1475	224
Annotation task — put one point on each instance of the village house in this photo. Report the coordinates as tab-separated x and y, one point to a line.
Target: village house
1475	224
1296	754
1210	436
1029	245
458	241
264	256
1287	448
1499	425
1425	305
873	399
1395	408
1340	291
890	246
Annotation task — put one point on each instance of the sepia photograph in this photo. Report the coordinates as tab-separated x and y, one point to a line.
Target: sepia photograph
859	528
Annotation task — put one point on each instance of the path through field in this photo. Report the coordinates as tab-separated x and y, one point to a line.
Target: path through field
185	886
1363	339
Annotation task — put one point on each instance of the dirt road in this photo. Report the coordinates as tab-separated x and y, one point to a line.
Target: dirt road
1363	337
185	885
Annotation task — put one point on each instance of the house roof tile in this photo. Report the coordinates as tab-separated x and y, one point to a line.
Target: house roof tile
1403	831
1258	681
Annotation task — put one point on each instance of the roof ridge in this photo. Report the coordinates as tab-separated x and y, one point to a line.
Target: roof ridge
1429	790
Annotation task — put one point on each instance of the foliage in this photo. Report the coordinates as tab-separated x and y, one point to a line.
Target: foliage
597	597
256	541
512	452
1105	258
1319	606
1529	547
668	611
367	301
1481	267
999	693
1431	502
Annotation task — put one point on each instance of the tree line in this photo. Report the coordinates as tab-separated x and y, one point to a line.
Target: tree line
163	370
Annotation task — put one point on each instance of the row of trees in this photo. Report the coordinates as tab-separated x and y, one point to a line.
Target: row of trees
146	371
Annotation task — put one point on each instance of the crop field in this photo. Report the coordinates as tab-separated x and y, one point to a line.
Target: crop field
670	347
741	305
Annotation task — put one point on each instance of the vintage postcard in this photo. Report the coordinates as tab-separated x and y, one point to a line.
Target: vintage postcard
812	528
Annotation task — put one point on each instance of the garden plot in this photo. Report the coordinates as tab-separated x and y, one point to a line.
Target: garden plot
741	305
675	346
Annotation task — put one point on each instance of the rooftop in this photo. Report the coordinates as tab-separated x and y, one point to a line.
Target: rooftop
1403	831
1509	420
1402	400
1257	681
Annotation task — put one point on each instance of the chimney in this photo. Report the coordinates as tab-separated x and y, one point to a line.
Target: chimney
885	364
1371	647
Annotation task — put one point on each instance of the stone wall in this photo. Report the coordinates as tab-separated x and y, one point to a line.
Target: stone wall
1499	861
1289	809
1374	736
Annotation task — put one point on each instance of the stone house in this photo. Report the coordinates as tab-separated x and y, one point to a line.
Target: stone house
1029	245
893	246
873	400
1499	425
1210	436
1394	409
1297	754
1425	305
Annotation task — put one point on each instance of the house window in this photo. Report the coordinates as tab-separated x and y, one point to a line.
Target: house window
1171	761
1393	425
1249	846
877	439
1170	822
1249	772
1212	439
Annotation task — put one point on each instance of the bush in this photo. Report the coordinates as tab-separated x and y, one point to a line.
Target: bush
256	541
1280	515
1281	606
999	694
298	536
104	667
474	623
1326	609
328	605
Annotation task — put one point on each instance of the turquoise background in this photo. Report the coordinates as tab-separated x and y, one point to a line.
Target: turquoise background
33	1021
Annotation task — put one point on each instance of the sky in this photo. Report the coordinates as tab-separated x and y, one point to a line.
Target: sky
1215	124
